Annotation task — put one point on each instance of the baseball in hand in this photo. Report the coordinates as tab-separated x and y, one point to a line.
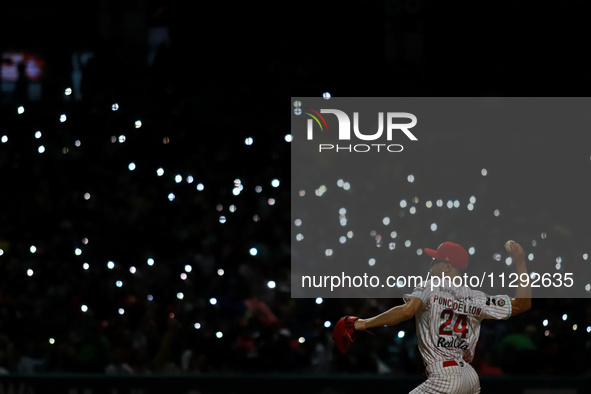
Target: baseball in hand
508	246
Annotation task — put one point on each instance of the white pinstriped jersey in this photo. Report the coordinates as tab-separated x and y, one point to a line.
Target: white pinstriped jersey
448	325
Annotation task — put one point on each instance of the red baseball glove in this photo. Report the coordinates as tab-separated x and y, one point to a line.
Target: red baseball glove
344	333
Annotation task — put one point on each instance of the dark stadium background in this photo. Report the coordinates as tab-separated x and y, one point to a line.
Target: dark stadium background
227	74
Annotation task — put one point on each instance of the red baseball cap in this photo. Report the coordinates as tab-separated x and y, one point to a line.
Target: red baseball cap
451	253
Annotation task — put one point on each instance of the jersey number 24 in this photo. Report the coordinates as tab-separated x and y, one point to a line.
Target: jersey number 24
460	325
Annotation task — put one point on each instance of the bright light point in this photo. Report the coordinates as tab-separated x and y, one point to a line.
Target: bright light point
412	210
33	249
213	301
410	178
403	203
585	256
275	183
200	187
180	296
114	107
301	340
110	265
20	110
545	323
419	252
220	272
271	284
433	226
470	207
386	221
63	118
575	326
121	311
546	333
350	234
78	251
320	191
271	201
288	138
190	179
87	196
327	324
346	186
484	172
428	204
183	276
559	260
371	262
342	239
497	212
258	189
588	287
543	235
248	141
328	252
160	171
326	95
119	283
38	134
51	341
298	222
150	262
407	243
588	328
450	204
68	91
131	166
439	203
85	266
132	270
456	204
171	196
222	219
558	266
564	317
4	139
508	261
253	251
401	334
178	178
471	250
392	245
197	326
138	124
122	138
473	200
1	252
530	256
299	237
319	300
29	272
84	308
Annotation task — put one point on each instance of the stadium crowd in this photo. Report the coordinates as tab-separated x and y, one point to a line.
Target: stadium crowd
111	268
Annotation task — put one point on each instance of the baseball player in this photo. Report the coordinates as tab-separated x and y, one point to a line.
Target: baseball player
448	319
